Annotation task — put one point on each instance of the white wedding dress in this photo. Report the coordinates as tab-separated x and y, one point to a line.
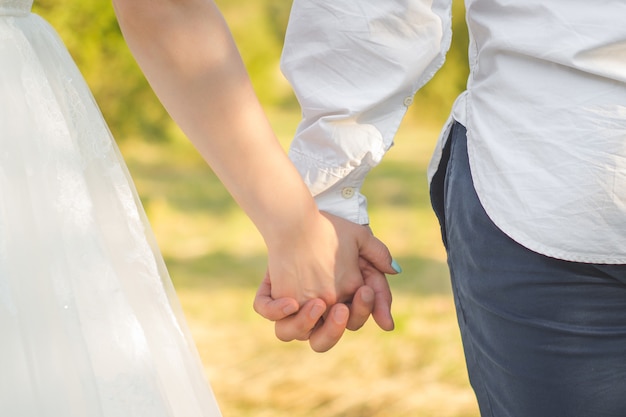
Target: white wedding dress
89	323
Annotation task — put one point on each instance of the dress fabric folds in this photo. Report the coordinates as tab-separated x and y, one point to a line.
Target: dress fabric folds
89	322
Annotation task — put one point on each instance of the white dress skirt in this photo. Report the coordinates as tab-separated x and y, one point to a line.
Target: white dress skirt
89	322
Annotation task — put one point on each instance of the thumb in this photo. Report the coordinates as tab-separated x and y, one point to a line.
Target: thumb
269	308
375	252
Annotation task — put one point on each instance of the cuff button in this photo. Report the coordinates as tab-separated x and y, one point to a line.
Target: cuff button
347	192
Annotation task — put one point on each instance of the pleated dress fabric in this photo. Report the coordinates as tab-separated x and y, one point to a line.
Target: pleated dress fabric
89	322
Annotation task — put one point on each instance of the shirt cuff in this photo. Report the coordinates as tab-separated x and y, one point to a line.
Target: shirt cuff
344	198
335	176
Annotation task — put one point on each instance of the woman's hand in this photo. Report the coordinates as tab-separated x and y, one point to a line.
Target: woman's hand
319	259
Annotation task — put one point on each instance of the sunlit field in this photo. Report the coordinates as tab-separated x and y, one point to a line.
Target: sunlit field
216	259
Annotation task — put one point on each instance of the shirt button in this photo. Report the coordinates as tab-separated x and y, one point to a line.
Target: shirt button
408	101
347	192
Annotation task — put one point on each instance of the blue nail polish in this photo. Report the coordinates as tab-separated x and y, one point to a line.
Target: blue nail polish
396	267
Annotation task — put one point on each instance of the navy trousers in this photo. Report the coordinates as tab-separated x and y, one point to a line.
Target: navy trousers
542	337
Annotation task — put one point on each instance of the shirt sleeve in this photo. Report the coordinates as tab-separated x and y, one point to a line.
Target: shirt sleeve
354	66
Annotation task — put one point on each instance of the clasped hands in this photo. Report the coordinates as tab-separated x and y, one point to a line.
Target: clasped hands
323	278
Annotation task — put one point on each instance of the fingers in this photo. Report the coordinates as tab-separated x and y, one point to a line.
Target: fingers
377	281
324	332
324	337
309	324
376	253
375	261
375	299
361	308
272	309
300	326
382	309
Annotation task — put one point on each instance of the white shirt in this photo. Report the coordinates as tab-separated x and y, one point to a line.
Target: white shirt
545	109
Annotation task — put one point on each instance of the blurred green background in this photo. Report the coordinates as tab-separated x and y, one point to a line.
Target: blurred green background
92	35
216	258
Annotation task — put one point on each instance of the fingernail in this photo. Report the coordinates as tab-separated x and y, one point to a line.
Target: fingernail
368	296
396	266
316	311
289	309
340	315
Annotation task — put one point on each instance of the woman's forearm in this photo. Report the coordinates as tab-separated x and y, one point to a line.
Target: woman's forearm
188	55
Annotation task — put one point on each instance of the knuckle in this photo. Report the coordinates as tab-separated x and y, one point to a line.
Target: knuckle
319	348
283	337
